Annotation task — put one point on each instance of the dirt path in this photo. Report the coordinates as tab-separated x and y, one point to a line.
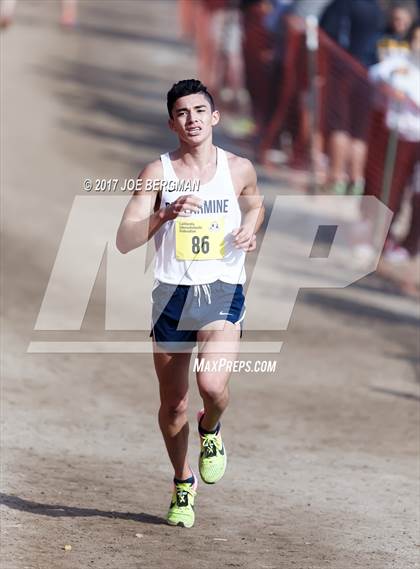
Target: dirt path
322	470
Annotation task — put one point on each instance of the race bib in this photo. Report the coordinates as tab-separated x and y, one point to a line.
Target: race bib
199	239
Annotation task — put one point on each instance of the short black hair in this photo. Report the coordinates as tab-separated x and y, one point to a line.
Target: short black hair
184	88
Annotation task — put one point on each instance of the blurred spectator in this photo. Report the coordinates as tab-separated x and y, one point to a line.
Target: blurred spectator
293	92
400	77
395	39
302	147
218	37
68	15
275	69
229	73
187	14
274	24
356	27
257	49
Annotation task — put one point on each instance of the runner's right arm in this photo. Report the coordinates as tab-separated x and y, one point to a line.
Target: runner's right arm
141	218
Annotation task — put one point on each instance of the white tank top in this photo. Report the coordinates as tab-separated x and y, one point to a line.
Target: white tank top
220	201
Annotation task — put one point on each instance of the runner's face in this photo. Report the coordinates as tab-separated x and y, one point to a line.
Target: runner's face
401	20
193	119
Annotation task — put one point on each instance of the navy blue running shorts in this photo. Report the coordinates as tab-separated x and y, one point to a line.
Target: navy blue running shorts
199	305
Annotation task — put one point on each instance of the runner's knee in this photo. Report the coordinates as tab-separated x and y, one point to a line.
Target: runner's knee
213	392
174	407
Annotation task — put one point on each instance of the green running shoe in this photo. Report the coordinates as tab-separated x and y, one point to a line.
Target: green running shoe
338	188
357	187
213	458
181	511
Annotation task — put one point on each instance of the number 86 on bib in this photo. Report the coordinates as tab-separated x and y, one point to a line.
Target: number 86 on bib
199	239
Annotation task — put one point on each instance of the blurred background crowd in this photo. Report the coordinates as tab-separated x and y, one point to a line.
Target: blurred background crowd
331	87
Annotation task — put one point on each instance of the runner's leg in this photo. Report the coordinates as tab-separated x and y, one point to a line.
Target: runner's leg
339	154
213	386
172	371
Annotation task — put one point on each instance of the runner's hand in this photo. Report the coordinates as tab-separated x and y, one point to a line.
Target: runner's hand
252	244
182	207
244	237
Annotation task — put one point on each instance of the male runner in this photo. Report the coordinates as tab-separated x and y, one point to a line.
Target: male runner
201	239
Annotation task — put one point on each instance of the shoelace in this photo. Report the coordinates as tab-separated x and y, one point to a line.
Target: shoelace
182	490
206	290
210	444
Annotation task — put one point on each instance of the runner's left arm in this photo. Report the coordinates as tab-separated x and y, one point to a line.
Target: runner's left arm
253	211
